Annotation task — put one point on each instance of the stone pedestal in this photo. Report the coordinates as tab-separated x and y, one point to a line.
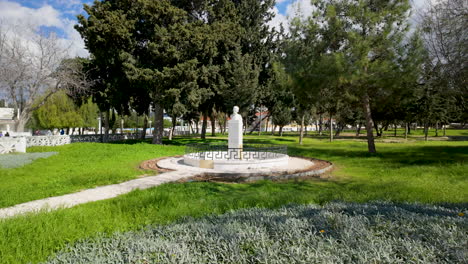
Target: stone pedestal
235	139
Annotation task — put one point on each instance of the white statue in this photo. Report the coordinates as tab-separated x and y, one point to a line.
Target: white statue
235	135
235	114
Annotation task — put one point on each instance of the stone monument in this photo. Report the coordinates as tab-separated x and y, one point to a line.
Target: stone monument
235	135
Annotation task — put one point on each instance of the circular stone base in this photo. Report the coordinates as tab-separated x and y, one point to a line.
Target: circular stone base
296	167
220	161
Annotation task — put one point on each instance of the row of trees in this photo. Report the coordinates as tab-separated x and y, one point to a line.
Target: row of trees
361	62
358	62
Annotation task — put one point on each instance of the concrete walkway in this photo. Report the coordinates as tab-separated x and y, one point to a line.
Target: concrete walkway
180	171
95	194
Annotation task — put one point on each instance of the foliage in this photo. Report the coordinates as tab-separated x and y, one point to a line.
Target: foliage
30	69
336	232
89	113
58	111
17	160
444	36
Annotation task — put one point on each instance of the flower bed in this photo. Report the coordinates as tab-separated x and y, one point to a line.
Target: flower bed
335	233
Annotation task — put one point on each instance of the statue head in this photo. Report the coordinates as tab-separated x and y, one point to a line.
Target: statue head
235	110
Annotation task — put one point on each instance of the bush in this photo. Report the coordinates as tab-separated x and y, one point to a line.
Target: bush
335	233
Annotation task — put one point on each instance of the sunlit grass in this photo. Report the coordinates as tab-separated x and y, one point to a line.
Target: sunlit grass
76	167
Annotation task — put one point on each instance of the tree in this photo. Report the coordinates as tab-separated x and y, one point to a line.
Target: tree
282	116
89	113
444	31
314	61
58	111
373	32
31	71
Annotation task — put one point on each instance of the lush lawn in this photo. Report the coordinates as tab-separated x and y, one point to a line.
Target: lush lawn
427	172
76	167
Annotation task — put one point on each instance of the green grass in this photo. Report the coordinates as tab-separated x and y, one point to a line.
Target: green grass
428	172
76	167
418	134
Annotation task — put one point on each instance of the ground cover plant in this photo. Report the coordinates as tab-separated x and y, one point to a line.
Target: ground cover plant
426	172
16	160
77	166
334	233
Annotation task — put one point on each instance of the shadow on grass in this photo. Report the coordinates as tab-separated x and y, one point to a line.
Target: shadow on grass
418	155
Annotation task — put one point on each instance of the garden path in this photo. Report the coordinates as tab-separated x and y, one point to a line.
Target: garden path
94	194
297	167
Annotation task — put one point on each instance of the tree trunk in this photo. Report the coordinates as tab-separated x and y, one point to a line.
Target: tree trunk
196	127
443	129
273	130
377	131
437	129
121	124
320	125
406	130
106	126
225	124
281	131
358	129
369	124
305	129
339	128
395	128
158	124
68	131
174	123
385	127
301	134
145	126
426	130
260	123
204	125
266	124
213	125
21	121
101	116
331	128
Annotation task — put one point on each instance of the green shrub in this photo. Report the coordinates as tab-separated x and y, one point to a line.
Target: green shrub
336	233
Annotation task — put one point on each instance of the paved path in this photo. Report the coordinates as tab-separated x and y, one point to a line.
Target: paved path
95	194
181	171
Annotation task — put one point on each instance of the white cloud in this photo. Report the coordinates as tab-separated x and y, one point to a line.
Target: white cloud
278	19
300	8
304	9
44	16
13	14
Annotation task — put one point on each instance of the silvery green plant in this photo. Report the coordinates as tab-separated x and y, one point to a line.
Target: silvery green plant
379	232
10	161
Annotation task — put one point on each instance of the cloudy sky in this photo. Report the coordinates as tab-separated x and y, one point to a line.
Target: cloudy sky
60	16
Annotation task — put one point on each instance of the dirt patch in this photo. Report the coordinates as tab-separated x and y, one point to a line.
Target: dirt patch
153	165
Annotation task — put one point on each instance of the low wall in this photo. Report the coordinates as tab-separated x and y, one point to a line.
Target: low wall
47	140
63	140
11	144
19	144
